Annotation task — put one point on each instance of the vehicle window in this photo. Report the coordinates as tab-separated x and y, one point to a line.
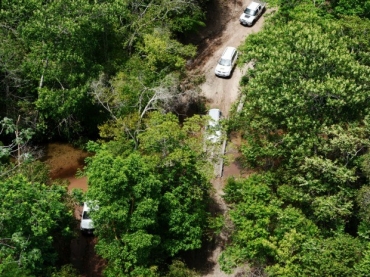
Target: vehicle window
249	12
85	215
234	56
225	62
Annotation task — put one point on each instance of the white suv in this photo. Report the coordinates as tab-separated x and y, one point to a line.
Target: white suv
226	63
87	225
252	13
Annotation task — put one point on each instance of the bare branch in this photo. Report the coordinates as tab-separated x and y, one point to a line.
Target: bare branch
98	90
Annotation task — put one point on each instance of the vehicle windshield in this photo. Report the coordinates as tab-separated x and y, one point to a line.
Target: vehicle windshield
85	215
250	12
225	62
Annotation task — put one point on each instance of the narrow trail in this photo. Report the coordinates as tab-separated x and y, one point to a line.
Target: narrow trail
223	93
220	92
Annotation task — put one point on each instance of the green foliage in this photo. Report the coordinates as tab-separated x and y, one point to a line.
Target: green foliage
34	171
253	214
151	201
363	203
52	50
78	195
33	215
188	23
356	7
365	165
287	255
306	121
10	268
161	51
141	89
335	256
363	267
127	195
357	29
287	8
66	271
265	230
301	99
20	136
179	269
309	80
216	224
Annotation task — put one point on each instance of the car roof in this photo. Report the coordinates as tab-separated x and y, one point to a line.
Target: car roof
253	5
215	114
228	52
90	204
86	208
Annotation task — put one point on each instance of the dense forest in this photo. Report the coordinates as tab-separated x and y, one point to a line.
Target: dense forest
111	76
305	210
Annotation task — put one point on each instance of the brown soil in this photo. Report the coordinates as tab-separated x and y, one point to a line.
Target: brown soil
83	256
205	260
233	164
77	183
64	161
222	93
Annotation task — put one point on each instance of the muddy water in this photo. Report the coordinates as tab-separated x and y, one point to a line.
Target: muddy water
64	161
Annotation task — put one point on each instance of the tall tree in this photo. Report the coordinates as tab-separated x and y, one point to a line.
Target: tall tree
151	201
305	120
33	217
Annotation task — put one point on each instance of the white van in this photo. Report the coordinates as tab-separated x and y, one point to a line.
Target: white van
87	225
226	63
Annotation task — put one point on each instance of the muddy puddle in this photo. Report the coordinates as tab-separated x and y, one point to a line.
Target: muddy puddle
233	163
64	161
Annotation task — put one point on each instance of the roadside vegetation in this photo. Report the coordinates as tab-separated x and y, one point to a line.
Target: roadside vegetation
114	73
305	123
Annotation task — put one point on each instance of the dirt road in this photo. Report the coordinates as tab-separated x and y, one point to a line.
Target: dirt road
222	93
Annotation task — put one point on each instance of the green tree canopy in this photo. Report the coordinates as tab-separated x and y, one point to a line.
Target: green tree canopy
151	201
53	50
33	217
305	121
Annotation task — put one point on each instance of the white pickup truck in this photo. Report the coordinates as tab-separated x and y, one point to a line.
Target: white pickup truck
252	13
